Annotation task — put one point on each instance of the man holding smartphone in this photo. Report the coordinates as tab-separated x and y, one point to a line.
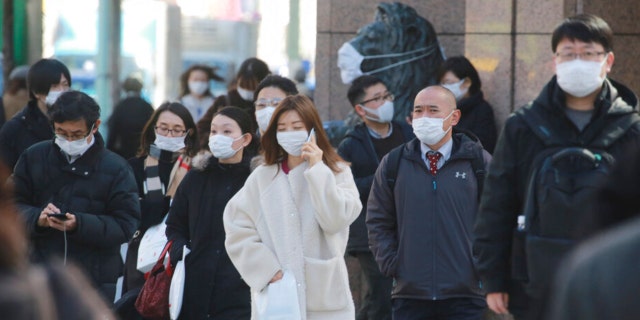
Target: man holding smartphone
78	199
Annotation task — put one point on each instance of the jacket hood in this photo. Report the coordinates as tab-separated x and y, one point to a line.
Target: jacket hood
614	99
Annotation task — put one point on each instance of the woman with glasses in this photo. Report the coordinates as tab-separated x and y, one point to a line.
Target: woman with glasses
269	93
213	287
168	142
459	76
291	219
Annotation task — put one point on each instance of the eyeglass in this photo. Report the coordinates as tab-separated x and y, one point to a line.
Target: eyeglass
174	132
263	103
388	97
587	55
74	137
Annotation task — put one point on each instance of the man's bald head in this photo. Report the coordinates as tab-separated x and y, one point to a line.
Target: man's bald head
436	94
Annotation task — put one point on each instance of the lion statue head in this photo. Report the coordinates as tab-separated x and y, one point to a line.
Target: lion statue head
400	47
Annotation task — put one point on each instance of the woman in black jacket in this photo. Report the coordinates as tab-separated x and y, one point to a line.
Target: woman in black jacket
213	287
459	76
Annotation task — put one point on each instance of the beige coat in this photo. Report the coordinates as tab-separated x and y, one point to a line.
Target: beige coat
300	223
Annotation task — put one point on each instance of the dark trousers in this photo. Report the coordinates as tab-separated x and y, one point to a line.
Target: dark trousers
376	304
447	309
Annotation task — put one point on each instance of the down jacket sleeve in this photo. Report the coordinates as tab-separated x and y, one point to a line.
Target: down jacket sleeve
335	197
122	214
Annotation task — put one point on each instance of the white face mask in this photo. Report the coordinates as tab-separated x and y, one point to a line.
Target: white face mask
429	130
384	112
349	60
456	89
222	146
171	144
246	95
72	148
292	141
580	78
263	116
198	87
52	96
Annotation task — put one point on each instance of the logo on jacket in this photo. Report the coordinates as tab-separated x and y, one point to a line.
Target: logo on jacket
461	175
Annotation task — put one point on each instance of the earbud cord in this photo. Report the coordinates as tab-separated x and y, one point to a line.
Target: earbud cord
64	226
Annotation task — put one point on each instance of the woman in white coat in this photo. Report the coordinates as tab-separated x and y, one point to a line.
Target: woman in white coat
293	214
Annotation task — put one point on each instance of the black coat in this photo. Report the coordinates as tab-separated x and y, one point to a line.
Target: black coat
125	125
477	117
98	188
25	129
506	182
357	148
212	286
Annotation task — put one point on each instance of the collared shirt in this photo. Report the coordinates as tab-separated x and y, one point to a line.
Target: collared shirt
445	150
376	135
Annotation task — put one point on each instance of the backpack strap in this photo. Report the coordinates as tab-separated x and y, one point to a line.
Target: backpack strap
478	166
393	164
539	125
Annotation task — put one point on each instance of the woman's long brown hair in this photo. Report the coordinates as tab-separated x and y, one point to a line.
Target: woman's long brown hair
273	152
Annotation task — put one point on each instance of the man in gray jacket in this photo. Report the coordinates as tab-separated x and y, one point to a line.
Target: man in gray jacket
420	220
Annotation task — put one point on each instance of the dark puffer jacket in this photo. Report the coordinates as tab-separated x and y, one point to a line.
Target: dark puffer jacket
213	286
505	185
98	188
357	148
25	129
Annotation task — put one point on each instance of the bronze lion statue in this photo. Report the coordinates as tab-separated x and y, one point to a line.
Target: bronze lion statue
400	47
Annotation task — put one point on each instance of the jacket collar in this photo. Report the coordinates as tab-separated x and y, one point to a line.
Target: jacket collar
464	147
85	165
35	121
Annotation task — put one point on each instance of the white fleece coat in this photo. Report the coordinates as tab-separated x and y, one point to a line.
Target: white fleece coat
300	223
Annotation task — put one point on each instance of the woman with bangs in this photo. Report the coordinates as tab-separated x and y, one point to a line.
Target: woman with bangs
292	216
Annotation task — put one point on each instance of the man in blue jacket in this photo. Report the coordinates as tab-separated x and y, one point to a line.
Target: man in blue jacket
364	146
79	200
420	226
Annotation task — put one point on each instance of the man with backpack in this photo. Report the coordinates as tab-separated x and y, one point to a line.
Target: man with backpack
420	214
550	159
364	147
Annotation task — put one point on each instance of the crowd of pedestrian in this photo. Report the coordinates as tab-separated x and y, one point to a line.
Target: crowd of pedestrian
447	217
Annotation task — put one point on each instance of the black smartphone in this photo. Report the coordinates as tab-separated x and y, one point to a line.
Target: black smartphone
59	216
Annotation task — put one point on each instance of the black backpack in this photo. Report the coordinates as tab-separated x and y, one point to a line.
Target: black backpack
562	184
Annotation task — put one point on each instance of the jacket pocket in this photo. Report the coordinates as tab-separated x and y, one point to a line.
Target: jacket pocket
325	288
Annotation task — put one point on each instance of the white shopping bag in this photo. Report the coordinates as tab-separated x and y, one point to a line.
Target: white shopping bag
176	291
151	246
279	300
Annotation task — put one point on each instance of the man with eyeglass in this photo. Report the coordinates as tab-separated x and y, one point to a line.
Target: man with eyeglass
579	105
364	146
79	200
